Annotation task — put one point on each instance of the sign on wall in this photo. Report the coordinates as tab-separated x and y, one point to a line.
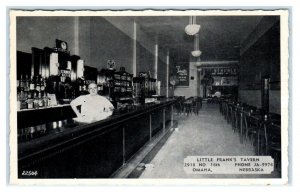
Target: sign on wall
182	74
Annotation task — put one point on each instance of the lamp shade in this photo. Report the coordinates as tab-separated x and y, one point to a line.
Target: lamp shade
192	29
196	53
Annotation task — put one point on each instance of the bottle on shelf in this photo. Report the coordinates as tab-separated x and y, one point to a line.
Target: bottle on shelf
46	100
42	86
23	99
35	101
21	83
26	84
18	102
32	86
40	100
38	84
30	101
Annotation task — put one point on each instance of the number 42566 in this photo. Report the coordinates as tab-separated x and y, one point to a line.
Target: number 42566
29	173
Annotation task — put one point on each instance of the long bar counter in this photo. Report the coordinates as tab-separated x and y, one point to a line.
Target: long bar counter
67	149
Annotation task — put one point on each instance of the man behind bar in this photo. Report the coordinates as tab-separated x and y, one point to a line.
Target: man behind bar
93	106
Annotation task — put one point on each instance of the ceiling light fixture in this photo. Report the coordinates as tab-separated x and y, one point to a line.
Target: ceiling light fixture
192	28
196	52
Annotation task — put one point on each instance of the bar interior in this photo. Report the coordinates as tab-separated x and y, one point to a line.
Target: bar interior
178	86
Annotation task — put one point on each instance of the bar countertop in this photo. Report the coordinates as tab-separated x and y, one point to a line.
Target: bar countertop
40	138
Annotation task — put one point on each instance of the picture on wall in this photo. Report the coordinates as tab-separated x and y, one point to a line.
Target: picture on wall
182	74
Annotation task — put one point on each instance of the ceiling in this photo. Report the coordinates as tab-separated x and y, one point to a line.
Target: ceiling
220	37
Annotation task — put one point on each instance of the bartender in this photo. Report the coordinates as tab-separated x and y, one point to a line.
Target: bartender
93	106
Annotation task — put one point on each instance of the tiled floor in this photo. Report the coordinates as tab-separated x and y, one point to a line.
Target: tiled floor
206	134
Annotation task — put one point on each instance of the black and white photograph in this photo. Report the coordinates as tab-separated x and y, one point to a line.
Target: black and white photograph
149	97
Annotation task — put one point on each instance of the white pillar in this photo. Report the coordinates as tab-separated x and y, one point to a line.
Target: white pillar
76	36
156	61
134	51
167	72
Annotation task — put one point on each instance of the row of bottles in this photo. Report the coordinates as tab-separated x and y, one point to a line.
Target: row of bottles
29	101
144	86
31	93
32	85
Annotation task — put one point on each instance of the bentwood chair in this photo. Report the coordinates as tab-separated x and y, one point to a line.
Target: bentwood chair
196	105
274	142
234	116
230	107
179	104
253	120
270	133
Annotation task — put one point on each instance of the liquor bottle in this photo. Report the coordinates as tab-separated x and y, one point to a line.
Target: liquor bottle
40	100
18	102
49	100
45	84
35	101
79	90
23	99
46	100
18	87
84	88
26	84
21	83
30	101
42	86
31	86
38	84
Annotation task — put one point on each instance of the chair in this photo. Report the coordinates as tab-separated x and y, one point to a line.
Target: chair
179	104
199	100
243	110
209	100
253	121
230	112
234	116
225	109
239	122
222	105
271	134
274	142
196	105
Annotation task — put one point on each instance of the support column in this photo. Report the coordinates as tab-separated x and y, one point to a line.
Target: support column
124	160
164	120
172	116
265	94
76	35
156	61
134	70
167	72
150	127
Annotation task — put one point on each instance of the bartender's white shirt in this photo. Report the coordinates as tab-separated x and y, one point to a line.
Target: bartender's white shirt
94	108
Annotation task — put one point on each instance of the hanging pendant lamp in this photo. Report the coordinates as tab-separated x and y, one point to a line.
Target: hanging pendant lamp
192	28
196	52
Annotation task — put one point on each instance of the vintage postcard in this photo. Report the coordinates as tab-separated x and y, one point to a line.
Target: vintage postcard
148	97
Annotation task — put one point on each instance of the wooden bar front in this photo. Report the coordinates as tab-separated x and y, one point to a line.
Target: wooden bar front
95	150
